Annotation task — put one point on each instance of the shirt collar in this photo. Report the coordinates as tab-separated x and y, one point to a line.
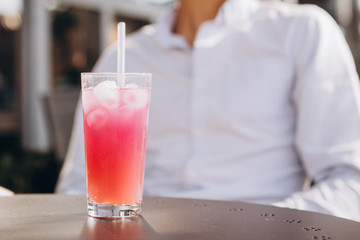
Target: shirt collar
231	11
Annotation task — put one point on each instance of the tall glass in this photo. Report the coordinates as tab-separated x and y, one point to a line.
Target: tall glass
115	109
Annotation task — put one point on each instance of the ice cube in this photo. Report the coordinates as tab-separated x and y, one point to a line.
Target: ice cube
97	118
107	94
125	114
137	97
88	101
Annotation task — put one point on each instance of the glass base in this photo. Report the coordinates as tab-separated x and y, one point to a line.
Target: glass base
113	211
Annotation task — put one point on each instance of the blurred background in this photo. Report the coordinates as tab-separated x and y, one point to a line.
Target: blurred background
44	45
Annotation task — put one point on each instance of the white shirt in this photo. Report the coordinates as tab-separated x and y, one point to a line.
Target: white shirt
267	97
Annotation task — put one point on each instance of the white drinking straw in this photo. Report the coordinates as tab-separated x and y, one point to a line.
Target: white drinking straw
121	47
121	51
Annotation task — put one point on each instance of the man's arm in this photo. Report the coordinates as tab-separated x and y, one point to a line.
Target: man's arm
335	192
326	97
72	179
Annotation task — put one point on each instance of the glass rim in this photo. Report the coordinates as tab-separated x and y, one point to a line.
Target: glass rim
115	74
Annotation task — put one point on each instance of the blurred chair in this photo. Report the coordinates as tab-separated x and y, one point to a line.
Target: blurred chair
60	108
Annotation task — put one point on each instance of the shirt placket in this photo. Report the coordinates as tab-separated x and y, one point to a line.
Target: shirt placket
198	114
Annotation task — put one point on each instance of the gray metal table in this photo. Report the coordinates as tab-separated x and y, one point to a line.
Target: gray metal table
64	217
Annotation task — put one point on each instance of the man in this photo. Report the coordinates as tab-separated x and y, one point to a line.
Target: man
249	100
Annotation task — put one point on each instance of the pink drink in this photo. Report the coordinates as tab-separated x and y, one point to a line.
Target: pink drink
115	127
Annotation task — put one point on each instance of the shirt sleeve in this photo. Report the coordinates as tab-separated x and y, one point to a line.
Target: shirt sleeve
72	179
337	194
326	98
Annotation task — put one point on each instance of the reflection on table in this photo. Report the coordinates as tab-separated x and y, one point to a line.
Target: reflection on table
136	228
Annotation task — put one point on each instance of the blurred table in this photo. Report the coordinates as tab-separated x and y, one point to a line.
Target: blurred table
64	217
